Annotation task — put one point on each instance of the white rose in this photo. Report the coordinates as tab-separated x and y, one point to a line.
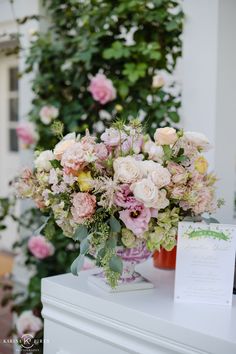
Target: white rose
158	81
159	175
28	323
126	169
197	139
163	202
62	146
146	192
165	136
48	113
154	152
42	162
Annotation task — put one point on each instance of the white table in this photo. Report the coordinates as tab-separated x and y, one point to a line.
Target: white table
82	319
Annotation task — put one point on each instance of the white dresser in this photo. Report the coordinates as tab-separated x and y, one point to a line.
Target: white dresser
82	319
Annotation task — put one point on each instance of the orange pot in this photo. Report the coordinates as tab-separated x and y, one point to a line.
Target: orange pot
165	259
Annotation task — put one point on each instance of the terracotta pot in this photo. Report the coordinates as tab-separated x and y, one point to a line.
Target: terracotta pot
165	259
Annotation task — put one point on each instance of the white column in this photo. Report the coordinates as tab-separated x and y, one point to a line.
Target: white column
209	94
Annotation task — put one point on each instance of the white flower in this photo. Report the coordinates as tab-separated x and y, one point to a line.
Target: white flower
126	169
104	115
48	113
163	202
154	152
165	136
28	323
158	81
160	176
199	140
146	192
42	162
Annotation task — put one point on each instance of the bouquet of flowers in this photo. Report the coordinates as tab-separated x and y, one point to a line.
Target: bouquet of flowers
123	191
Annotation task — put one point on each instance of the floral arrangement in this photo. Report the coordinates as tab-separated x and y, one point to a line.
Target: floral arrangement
122	190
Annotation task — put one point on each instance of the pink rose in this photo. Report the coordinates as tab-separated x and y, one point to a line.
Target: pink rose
84	205
102	89
28	323
136	218
40	247
26	133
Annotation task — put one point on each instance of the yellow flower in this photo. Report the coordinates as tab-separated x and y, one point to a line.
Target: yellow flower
84	181
201	165
118	108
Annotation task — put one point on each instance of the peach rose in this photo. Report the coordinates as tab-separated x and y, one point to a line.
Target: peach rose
62	146
165	136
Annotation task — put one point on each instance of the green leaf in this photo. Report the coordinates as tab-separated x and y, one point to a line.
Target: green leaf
111	242
84	246
116	264
174	117
80	233
123	89
55	163
134	71
77	265
114	224
167	151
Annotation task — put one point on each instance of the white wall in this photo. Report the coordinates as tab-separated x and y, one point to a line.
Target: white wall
209	94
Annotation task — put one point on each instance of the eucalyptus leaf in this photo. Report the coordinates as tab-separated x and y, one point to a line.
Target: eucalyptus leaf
84	246
116	264
114	224
77	265
111	242
80	233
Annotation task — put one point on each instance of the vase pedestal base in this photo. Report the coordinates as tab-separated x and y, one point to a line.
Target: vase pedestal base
136	283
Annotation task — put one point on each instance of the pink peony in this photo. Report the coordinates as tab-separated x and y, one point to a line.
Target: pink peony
102	89
40	247
136	218
26	133
84	205
28	323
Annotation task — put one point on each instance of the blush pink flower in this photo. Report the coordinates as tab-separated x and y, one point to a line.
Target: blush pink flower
48	113
84	205
113	137
40	247
76	157
102	89
136	218
124	197
26	133
101	151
